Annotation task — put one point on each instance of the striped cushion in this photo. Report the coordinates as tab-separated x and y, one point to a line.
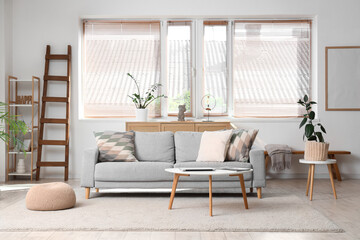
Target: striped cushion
116	146
240	144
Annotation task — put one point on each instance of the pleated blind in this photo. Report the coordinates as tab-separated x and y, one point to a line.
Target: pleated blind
272	67
113	49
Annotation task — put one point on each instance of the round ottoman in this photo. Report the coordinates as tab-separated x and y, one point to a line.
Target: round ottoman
50	197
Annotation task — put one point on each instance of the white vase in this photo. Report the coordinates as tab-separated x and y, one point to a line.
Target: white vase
20	166
141	114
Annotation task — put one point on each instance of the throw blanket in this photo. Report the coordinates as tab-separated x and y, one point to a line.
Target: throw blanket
280	155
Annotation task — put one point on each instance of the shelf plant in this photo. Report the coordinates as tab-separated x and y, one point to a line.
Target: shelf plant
316	149
18	128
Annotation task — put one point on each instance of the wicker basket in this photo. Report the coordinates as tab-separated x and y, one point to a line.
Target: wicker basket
316	151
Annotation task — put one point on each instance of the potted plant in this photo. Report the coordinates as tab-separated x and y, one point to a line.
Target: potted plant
18	129
143	101
316	149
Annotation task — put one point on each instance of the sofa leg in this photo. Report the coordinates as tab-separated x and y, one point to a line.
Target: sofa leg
96	190
87	193
258	192
251	190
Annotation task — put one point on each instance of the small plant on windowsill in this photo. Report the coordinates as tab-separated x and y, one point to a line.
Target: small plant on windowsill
142	101
316	149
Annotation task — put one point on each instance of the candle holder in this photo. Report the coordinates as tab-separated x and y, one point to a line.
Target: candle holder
208	103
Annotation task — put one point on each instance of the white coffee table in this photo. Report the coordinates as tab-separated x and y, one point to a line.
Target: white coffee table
310	180
178	172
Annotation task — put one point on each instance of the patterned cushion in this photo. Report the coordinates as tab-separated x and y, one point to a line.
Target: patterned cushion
115	146
240	144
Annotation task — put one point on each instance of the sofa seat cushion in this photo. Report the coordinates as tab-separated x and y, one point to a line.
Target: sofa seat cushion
132	171
247	176
155	146
187	146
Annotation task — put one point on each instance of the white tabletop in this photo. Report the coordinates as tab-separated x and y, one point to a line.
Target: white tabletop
328	161
207	173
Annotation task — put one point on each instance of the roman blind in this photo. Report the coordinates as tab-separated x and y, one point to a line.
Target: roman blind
113	49
271	67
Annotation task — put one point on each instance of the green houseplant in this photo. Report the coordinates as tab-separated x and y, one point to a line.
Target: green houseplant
142	101
316	149
18	128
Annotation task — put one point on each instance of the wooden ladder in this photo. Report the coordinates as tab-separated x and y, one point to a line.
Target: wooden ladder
44	120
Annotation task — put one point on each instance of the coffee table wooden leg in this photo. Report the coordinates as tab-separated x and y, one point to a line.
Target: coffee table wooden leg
308	182
210	195
243	190
175	181
312	166
332	180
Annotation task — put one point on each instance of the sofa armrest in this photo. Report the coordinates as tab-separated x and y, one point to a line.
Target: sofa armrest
257	160
89	161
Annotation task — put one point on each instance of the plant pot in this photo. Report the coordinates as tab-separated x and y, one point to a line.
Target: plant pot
316	151
20	166
141	114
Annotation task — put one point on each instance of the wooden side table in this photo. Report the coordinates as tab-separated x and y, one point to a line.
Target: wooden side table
310	180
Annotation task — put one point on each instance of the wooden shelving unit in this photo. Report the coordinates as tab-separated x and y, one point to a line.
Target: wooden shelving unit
15	104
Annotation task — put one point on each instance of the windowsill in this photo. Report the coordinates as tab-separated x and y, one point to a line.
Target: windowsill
216	119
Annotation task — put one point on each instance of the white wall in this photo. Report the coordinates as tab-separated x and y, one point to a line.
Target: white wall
36	23
5	63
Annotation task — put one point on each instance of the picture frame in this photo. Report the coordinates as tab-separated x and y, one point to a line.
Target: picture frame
342	78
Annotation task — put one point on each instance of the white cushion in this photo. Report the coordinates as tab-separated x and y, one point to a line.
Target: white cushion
213	146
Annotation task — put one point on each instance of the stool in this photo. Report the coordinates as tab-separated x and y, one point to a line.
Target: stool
310	180
50	197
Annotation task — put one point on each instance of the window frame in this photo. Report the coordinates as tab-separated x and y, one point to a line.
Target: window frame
310	94
197	70
218	22
192	67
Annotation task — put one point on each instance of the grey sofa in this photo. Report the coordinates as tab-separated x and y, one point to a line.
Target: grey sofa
157	151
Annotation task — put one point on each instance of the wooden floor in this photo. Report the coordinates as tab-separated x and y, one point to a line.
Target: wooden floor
345	212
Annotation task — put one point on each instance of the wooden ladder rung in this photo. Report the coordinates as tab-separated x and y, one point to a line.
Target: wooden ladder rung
58	57
55	120
56	78
55	99
52	142
52	164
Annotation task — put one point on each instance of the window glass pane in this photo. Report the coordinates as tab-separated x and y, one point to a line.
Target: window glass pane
271	68
215	67
111	51
179	65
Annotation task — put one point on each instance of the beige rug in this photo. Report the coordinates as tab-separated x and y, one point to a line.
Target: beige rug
148	212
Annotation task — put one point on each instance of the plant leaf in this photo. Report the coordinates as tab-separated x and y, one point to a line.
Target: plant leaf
322	128
303	122
312	138
320	136
306	98
312	115
309	130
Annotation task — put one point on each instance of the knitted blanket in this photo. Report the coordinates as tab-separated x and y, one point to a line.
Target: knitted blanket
280	155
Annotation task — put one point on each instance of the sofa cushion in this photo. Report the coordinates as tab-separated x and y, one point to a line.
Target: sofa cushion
247	176
214	146
187	146
155	146
240	144
115	146
132	171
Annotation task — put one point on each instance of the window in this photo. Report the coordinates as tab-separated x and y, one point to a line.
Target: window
113	49
215	64
252	68
271	68
179	66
